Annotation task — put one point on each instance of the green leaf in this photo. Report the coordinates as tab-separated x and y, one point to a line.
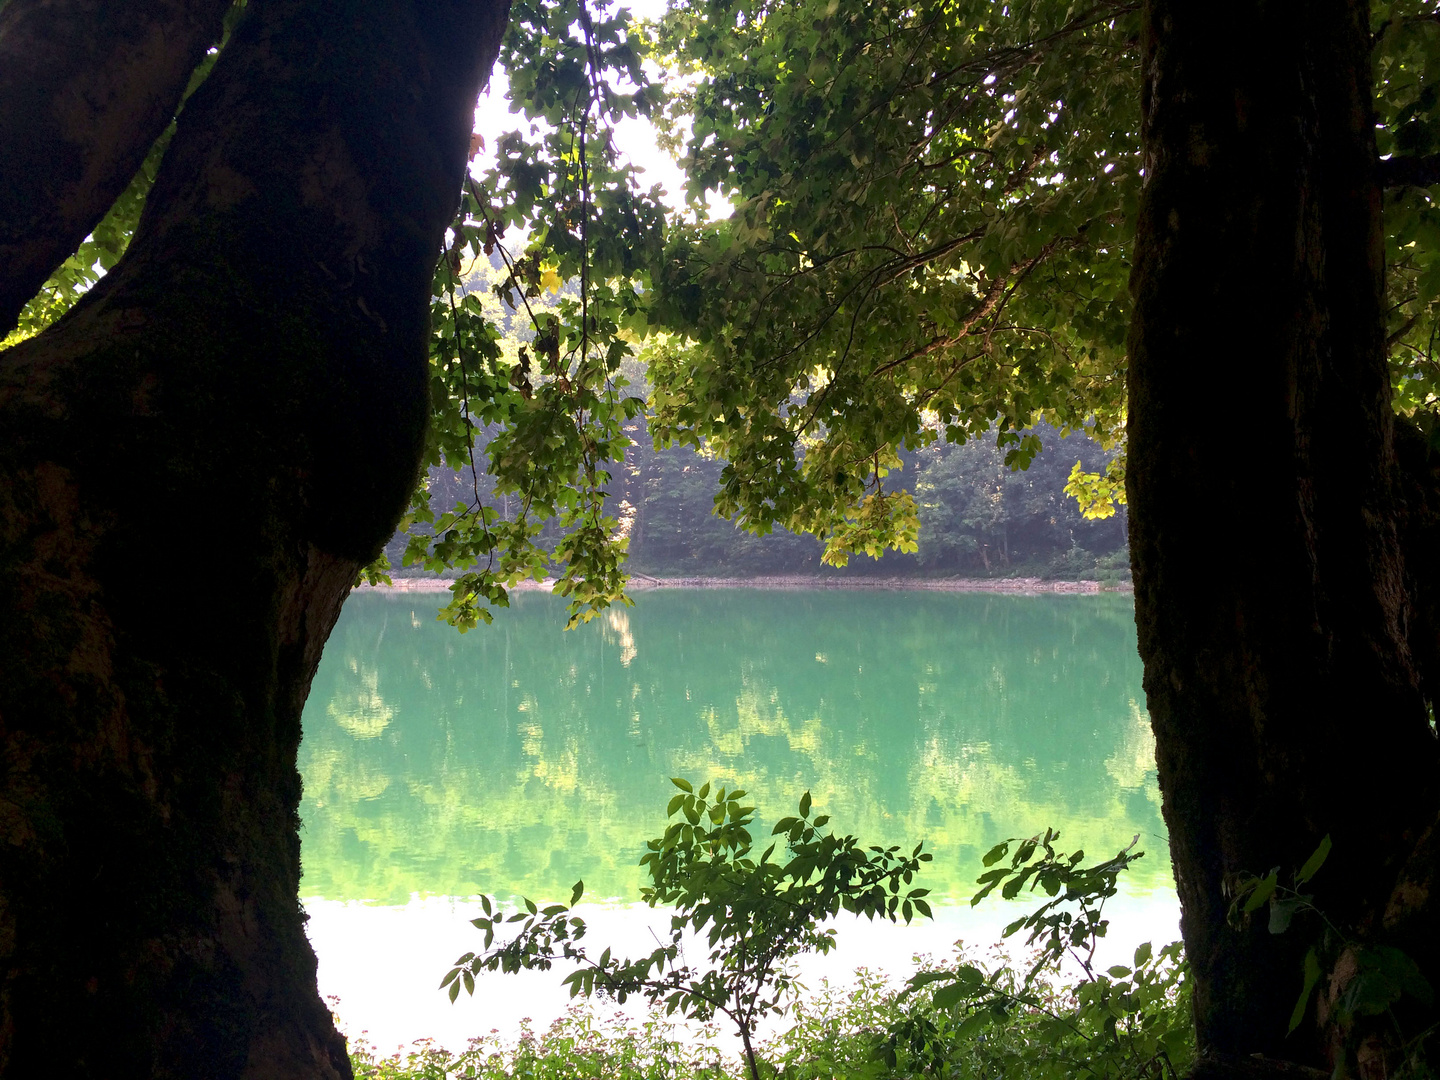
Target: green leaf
1312	976
972	1024
1316	860
947	997
805	805
578	891
925	978
1260	895
1281	912
683	785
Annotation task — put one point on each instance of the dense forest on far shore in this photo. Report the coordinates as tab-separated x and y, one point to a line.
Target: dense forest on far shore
978	516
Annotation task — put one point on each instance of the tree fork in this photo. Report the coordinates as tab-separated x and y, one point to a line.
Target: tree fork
253	375
1273	597
85	88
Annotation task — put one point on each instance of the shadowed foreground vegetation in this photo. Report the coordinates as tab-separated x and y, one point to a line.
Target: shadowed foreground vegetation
1057	1013
867	1029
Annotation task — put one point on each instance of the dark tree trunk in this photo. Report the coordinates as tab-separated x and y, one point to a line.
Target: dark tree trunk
195	461
1273	598
85	88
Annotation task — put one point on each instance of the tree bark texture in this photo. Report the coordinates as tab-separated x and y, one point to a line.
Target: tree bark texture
1275	605
85	88
194	462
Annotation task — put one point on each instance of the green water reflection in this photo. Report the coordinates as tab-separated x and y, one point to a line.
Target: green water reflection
518	758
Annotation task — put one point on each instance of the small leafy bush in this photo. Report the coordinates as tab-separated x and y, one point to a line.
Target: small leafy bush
1371	996
1056	1014
756	913
578	1046
1123	1022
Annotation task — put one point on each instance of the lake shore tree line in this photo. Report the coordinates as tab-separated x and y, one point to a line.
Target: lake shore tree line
977	516
981	508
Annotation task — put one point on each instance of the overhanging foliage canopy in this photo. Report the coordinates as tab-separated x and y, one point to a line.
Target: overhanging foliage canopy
933	207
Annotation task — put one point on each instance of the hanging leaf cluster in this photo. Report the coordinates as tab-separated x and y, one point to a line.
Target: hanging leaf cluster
560	212
929	241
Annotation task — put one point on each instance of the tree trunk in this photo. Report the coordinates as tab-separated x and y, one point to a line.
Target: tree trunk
1272	595
196	460
85	88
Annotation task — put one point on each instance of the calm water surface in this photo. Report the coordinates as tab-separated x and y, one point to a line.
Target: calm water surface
519	758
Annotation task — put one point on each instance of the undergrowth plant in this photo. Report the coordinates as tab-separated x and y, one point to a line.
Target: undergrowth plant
1123	1021
755	913
580	1045
1372	985
1053	1013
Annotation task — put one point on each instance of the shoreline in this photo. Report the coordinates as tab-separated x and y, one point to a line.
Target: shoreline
795	583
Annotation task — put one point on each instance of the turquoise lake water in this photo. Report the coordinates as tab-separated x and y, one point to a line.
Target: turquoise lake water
520	757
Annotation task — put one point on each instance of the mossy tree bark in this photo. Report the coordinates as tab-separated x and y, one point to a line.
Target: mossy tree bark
1278	540
249	384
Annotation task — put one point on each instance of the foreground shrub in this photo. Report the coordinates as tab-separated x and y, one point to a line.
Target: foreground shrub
873	1028
756	912
580	1045
1054	1015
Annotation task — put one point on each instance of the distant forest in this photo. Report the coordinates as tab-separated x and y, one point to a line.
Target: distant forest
978	517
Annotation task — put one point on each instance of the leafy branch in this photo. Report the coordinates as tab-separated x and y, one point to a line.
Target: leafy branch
545	396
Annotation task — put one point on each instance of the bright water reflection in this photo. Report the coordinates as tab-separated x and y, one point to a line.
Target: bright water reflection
517	759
